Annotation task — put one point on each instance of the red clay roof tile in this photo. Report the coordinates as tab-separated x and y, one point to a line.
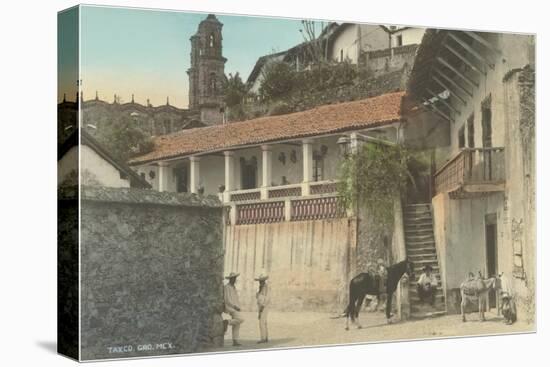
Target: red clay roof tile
326	119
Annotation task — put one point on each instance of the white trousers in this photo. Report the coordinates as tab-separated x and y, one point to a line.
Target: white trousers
235	322
263	325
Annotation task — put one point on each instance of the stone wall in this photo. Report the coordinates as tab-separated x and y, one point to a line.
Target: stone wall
365	85
389	60
67	272
152	270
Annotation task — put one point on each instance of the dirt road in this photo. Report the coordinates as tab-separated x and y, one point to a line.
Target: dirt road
295	329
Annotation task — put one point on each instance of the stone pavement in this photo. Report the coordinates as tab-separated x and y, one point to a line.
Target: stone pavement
296	329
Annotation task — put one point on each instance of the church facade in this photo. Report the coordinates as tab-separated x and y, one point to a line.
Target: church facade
206	78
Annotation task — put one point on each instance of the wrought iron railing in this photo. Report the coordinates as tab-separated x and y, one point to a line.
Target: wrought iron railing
471	166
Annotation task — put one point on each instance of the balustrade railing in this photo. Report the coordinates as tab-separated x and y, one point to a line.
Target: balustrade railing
323	187
285	191
316	208
471	166
261	212
245	195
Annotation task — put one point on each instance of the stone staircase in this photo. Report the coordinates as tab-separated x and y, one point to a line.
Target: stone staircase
420	246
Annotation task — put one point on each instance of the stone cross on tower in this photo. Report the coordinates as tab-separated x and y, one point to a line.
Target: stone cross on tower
206	74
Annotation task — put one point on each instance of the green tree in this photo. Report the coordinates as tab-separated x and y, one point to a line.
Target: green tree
277	81
234	90
124	139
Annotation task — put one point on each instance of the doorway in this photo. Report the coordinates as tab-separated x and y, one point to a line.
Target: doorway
491	254
181	178
249	172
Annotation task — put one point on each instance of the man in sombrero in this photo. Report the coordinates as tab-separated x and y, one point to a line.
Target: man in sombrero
427	285
262	298
233	306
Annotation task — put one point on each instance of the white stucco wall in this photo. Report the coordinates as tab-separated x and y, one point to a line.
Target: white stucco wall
514	55
67	165
410	36
373	37
347	42
95	168
459	224
212	166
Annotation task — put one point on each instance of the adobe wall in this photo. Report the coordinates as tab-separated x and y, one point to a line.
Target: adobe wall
308	262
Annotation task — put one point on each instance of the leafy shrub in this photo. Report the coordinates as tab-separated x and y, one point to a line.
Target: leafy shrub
278	81
234	90
124	139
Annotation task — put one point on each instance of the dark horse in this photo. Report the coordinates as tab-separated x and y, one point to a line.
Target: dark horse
365	283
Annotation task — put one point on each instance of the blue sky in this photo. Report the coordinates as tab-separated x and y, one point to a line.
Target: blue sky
146	52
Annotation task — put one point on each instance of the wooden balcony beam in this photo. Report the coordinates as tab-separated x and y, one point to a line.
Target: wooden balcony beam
469	81
448	104
437	110
438	81
473	52
452	82
482	40
463	59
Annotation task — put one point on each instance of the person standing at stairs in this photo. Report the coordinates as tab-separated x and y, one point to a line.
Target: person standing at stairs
427	286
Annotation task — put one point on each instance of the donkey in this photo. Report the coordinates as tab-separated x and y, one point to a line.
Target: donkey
365	283
476	290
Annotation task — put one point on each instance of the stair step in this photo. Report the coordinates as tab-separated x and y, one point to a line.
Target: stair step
420	259
420	248
419	244
416	239
432	262
414	231
412	227
415	212
412	216
417	222
418	234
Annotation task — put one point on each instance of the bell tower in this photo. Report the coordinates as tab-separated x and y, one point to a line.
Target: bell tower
206	74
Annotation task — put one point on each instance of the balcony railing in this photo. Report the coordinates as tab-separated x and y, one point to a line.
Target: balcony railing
323	187
473	170
316	208
245	195
262	212
285	191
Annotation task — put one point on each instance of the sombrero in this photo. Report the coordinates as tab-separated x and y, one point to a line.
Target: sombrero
232	275
262	277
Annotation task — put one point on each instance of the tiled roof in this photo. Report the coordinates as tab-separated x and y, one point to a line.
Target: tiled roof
326	119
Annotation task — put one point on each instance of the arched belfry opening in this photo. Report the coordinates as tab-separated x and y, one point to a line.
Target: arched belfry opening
206	71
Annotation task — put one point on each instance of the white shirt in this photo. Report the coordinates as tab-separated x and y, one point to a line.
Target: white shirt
428	279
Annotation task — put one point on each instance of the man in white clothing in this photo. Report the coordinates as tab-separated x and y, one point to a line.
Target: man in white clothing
427	285
262	298
232	306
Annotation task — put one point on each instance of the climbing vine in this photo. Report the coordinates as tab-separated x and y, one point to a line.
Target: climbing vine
372	177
